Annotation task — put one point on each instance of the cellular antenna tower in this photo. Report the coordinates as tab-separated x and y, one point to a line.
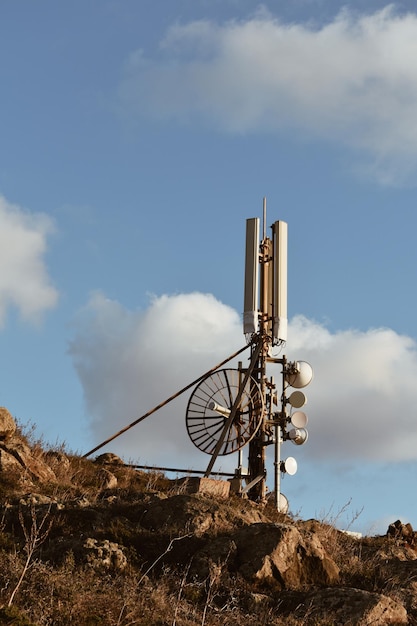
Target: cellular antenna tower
232	409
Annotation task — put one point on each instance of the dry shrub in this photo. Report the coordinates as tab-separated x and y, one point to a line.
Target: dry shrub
11	615
10	484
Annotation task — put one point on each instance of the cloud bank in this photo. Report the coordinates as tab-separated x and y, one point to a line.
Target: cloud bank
129	362
361	403
24	281
353	80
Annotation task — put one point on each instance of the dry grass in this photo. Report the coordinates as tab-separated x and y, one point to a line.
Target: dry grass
60	588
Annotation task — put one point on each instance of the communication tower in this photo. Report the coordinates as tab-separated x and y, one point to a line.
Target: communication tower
230	409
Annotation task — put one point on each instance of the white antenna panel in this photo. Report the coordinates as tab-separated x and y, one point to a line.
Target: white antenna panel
280	230
289	466
298	436
302	376
251	296
299	419
297	399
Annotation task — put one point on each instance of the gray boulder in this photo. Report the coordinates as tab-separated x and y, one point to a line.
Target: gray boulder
354	607
7	424
104	555
16	455
279	554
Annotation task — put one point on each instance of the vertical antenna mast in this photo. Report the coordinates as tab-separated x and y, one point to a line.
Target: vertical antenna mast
271	330
263	341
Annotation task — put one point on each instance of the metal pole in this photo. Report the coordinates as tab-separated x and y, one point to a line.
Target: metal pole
278	440
153	468
257	452
277	463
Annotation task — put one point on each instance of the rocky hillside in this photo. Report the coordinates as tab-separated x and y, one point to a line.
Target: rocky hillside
92	542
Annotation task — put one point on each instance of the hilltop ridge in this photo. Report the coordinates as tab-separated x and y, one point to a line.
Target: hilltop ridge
90	542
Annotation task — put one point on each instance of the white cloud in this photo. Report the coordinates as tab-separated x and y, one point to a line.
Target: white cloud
24	280
130	362
363	396
353	80
361	403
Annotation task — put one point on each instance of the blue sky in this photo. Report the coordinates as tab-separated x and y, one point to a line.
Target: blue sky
136	137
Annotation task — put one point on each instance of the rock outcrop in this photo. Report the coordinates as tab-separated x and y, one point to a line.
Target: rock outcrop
118	540
104	555
7	425
279	554
403	532
354	607
17	456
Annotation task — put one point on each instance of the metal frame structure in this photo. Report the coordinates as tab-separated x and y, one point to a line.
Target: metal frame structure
224	416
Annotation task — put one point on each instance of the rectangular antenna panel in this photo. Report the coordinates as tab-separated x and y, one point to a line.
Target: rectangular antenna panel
280	234
251	295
